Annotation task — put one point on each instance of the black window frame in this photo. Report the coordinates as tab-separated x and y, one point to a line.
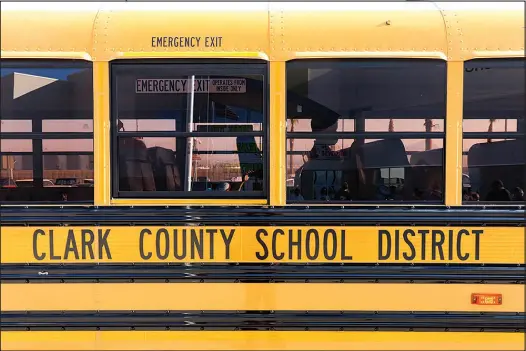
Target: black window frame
373	135
468	67
225	67
37	137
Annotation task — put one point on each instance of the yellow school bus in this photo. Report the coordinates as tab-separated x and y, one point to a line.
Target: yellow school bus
262	176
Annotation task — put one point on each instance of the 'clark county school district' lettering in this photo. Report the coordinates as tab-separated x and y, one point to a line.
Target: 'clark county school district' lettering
257	244
199	243
187	42
76	247
401	243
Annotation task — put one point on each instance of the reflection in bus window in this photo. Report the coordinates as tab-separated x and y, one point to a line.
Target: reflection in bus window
494	127
54	100
172	143
365	130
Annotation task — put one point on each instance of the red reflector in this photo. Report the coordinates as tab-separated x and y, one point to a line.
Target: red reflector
486	299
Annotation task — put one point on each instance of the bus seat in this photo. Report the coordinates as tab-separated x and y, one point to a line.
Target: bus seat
368	160
135	171
165	170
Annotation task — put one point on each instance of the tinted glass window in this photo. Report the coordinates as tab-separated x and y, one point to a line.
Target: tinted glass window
494	126
365	130
46	131
172	142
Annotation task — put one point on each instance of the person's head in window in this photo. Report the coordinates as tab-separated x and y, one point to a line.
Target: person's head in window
343	194
223	186
498	192
497	185
474	197
517	194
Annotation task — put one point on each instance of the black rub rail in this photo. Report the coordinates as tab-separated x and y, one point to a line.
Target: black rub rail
235	215
381	273
263	320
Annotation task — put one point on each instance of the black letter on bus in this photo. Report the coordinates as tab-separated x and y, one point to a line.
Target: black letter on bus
477	243
87	243
103	243
52	255
459	245
263	256
326	244
35	248
141	244
316	244
211	233
160	255
436	245
275	245
227	240
423	232
397	245
381	234
293	243
411	257
71	245
176	244
197	243
344	256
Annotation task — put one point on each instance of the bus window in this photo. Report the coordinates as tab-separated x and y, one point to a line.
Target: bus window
46	130
494	128
365	130
172	143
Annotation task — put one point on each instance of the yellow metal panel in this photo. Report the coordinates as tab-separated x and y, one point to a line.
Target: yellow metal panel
395	29
485	29
278	127
257	340
101	135
257	296
139	27
352	29
141	244
453	147
47	30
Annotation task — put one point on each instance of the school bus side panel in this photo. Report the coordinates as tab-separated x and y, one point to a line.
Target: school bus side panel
39	32
360	29
258	340
171	29
486	29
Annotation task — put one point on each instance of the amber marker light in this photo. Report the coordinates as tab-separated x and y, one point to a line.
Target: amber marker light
486	299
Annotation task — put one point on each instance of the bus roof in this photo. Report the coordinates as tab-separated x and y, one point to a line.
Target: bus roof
266	30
